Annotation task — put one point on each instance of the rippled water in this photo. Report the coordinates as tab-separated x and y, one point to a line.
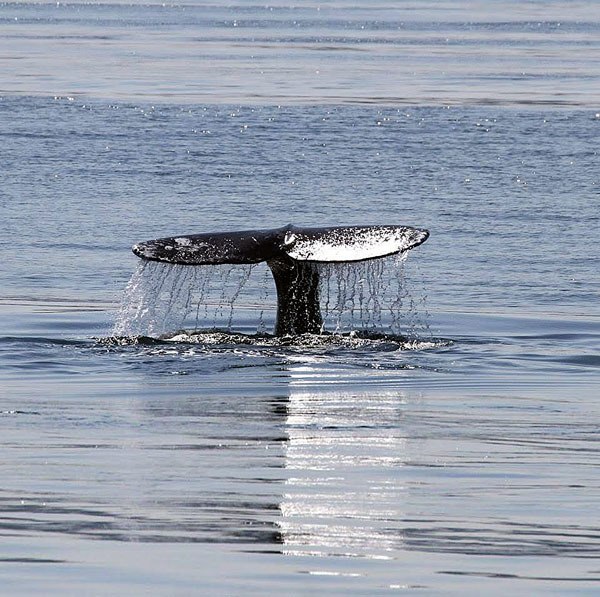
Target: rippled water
460	459
384	51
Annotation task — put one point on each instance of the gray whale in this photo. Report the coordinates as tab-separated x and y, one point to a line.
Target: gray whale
290	252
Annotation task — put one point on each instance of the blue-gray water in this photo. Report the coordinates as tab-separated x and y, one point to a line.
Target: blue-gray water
467	464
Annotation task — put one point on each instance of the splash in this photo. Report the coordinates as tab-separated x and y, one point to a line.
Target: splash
370	296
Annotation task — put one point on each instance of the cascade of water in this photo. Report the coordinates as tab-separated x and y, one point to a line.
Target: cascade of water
133	303
202	285
239	286
368	296
266	285
161	297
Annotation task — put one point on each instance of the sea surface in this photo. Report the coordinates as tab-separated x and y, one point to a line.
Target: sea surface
453	450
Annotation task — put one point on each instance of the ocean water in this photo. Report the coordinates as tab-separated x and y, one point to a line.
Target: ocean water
461	460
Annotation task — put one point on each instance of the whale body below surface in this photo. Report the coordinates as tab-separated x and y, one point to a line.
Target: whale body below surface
291	253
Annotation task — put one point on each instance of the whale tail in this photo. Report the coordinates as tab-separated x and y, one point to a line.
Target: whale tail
291	253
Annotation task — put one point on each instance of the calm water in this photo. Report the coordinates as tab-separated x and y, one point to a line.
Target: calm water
465	463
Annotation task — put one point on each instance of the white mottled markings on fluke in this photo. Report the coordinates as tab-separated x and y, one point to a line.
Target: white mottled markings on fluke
183	241
353	244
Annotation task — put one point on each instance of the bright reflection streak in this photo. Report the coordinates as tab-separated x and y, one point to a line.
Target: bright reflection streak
345	459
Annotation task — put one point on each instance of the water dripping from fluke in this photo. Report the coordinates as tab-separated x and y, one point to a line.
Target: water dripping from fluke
341	287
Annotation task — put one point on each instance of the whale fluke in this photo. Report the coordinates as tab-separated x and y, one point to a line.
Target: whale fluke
290	252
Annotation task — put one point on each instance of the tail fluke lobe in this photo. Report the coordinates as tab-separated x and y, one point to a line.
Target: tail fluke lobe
247	246
343	244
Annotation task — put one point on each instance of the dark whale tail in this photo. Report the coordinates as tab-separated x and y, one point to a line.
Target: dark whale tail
290	253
